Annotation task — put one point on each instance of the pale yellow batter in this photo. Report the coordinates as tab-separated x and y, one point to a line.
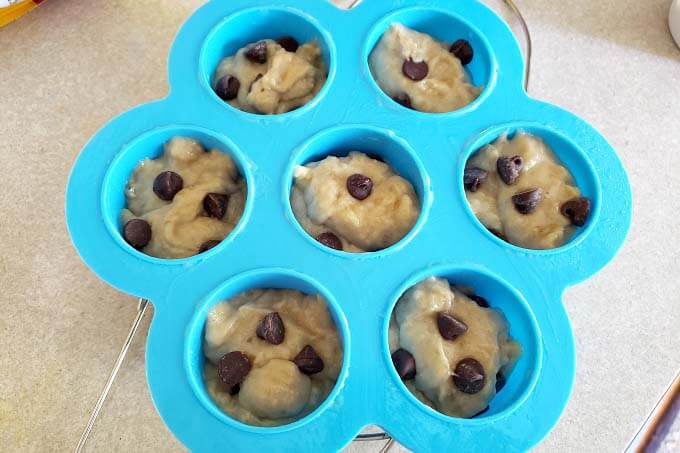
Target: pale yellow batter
275	391
446	86
546	227
284	82
413	327
321	202
179	227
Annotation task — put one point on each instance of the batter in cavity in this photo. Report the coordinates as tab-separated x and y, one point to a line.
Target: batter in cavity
271	76
521	192
451	350
422	73
272	355
184	202
354	203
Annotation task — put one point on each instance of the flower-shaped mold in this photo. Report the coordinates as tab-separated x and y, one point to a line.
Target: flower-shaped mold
268	248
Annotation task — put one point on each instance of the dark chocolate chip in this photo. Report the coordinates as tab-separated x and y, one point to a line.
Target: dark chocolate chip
137	233
414	70
469	376
498	234
450	327
527	200
479	300
257	52
235	389
289	43
207	245
500	381
227	88
215	204
257	77
404	100
576	210
509	168
359	186
404	363
330	240
474	177
167	184
233	368
462	50
271	328
308	361
483	411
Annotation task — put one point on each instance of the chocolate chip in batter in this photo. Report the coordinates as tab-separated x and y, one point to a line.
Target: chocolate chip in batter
509	168
257	52
469	376
500	381
257	77
404	100
359	186
474	177
449	326
235	389
137	233
308	361
482	302
167	184
215	204
576	210
330	240
207	245
233	368
404	363
289	43
414	70
227	88
271	328
462	50
526	201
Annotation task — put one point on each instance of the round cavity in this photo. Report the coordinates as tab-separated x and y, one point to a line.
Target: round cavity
261	278
522	326
375	142
150	145
252	25
446	27
568	153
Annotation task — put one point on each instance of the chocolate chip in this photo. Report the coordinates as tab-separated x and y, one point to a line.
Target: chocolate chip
271	328
414	70
404	100
257	52
359	186
500	381
497	233
235	389
474	177
257	77
483	411
479	300
207	245
526	201
509	168
404	363
450	327
330	240
469	376
167	184
576	210
137	233
227	88
289	43
233	368
215	204
462	50
308	361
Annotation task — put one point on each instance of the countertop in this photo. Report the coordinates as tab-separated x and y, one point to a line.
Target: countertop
69	66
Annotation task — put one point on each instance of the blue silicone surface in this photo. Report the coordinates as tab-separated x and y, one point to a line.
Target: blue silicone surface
269	249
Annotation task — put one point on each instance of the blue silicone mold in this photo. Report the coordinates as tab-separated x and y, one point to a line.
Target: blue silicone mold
269	249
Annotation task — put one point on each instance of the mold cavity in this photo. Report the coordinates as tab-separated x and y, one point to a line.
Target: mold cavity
255	357
357	189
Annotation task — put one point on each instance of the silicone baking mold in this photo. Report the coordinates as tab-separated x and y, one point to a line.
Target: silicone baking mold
269	249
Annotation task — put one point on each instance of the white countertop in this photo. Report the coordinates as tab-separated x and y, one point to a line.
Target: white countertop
69	66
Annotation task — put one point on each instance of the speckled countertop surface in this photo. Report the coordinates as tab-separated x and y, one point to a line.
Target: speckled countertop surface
70	65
